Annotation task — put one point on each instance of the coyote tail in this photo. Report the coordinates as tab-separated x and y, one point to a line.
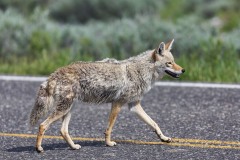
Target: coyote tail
42	104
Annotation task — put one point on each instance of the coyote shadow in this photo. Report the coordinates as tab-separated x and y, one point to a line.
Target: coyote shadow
55	146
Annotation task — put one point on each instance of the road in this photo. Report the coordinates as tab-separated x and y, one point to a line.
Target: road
204	122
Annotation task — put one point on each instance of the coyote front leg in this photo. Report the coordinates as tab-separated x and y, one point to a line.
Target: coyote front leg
136	108
116	107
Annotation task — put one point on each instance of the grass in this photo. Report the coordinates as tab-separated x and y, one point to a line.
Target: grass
44	65
213	63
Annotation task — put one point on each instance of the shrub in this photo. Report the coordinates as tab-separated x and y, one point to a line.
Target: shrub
75	11
96	40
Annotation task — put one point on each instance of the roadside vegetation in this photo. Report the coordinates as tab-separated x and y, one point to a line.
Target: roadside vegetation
36	37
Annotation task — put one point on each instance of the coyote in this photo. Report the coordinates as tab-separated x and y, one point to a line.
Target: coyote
106	81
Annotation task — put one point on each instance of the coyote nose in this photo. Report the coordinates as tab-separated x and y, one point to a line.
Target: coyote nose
183	70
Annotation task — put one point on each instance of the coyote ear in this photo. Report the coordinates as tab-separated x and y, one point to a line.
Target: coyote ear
161	48
169	45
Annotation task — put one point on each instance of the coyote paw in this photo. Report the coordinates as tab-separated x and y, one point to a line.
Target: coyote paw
166	139
111	143
39	149
76	146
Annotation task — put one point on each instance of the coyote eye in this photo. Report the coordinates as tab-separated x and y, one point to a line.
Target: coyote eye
168	63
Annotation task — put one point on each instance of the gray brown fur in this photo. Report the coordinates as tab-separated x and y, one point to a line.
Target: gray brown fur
98	82
42	104
106	81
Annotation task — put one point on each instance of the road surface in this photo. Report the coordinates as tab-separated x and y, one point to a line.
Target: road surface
203	119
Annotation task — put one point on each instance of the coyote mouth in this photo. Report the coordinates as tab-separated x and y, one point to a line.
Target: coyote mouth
172	74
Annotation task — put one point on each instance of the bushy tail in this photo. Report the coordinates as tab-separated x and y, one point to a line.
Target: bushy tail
42	104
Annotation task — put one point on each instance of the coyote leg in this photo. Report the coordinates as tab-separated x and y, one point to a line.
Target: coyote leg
65	134
43	127
112	118
136	108
63	107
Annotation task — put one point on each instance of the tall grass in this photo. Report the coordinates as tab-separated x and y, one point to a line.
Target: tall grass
215	63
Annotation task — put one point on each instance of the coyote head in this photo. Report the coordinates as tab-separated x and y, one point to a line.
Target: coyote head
164	61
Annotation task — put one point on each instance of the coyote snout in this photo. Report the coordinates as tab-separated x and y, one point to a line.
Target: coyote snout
174	70
106	81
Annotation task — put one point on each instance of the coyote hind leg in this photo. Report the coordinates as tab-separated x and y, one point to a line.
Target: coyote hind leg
63	107
44	126
65	134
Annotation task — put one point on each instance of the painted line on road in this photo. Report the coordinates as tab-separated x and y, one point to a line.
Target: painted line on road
167	84
198	85
22	78
199	143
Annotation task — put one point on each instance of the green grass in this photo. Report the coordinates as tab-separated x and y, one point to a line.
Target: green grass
43	65
213	63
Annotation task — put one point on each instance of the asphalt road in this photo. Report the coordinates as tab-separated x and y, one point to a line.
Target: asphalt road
193	116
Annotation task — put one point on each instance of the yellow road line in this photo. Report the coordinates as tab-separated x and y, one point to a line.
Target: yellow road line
206	141
176	141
